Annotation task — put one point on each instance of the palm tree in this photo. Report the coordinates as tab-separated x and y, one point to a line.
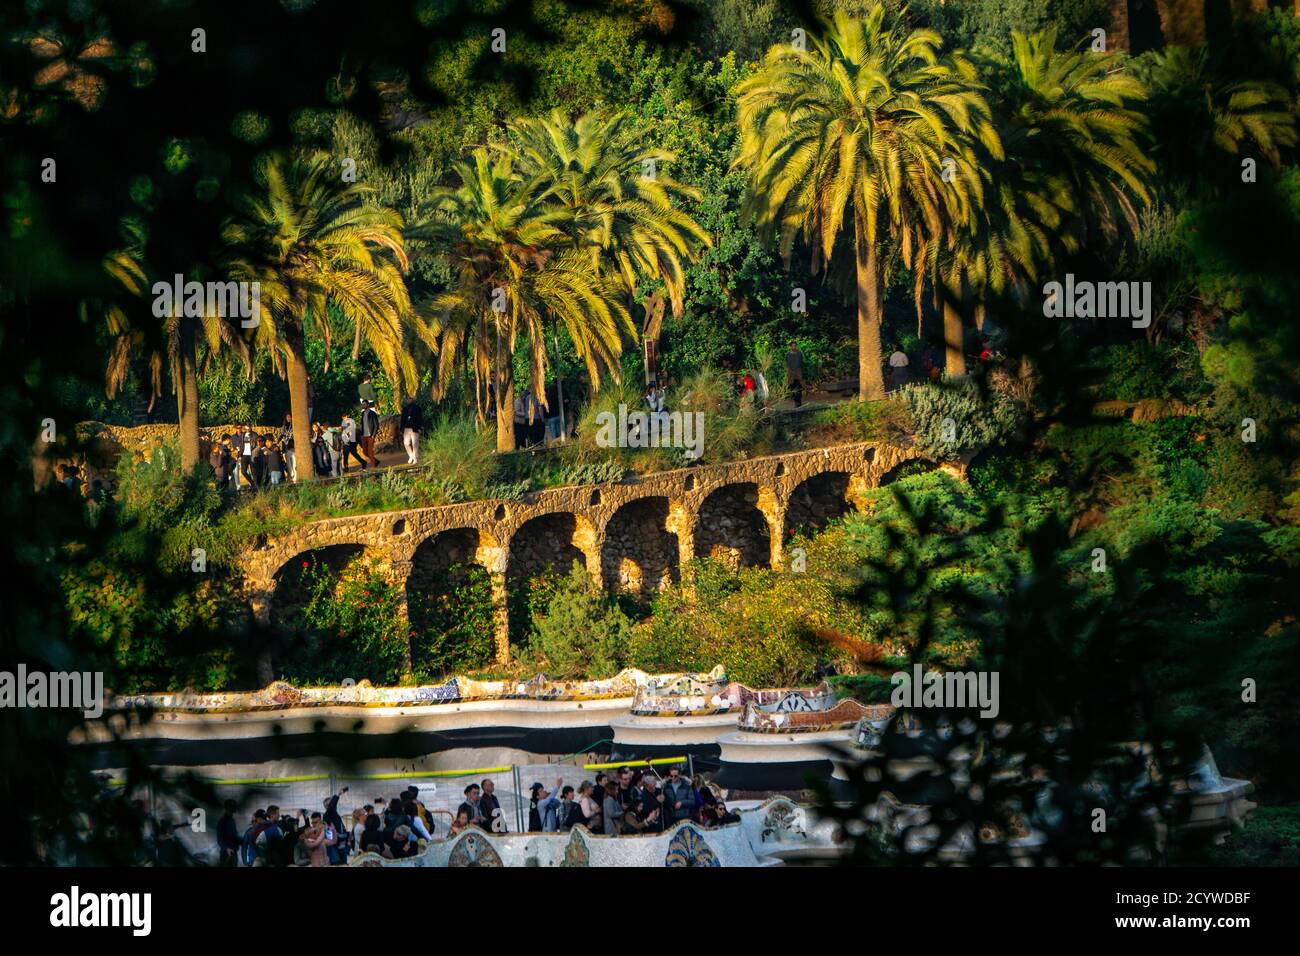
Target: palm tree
623	208
1198	111
1073	125
181	335
871	122
513	264
319	246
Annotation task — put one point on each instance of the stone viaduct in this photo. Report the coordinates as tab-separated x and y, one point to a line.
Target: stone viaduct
632	536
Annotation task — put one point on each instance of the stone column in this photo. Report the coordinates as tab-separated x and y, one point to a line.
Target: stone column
495	560
259	599
682	523
396	573
773	508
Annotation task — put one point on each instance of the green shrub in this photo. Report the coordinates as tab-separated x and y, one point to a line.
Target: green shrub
351	628
953	416
581	634
453	623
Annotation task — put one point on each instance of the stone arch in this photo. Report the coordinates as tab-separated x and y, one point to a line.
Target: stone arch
732	527
639	555
552	541
820	499
445	550
913	466
288	587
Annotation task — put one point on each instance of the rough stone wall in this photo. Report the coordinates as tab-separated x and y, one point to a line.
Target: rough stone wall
755	493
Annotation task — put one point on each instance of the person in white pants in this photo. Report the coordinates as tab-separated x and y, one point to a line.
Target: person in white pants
412	424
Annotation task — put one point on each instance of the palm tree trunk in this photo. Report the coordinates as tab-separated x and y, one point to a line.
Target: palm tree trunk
954	360
297	370
505	397
871	379
187	396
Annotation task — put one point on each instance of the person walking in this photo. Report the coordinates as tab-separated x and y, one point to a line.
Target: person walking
369	431
333	448
348	437
412	425
794	373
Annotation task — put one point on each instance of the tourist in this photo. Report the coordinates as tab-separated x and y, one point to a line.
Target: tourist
568	813
338	850
217	461
663	819
678	792
473	806
359	826
247	445
649	798
704	796
412	795
543	809
611	809
366	391
898	362
460	823
348	437
492	809
554	423
654	397
589	807
721	816
333	448
228	840
285	441
412	425
627	793
412	813
320	456
394	816
318	839
794	373
369	432
372	836
274	462
400	845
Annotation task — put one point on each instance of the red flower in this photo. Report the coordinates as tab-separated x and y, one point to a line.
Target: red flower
304	564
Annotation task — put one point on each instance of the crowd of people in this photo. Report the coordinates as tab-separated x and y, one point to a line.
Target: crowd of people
251	460
629	803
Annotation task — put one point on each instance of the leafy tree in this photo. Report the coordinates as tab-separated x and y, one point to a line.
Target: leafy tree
624	209
862	123
315	243
513	266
